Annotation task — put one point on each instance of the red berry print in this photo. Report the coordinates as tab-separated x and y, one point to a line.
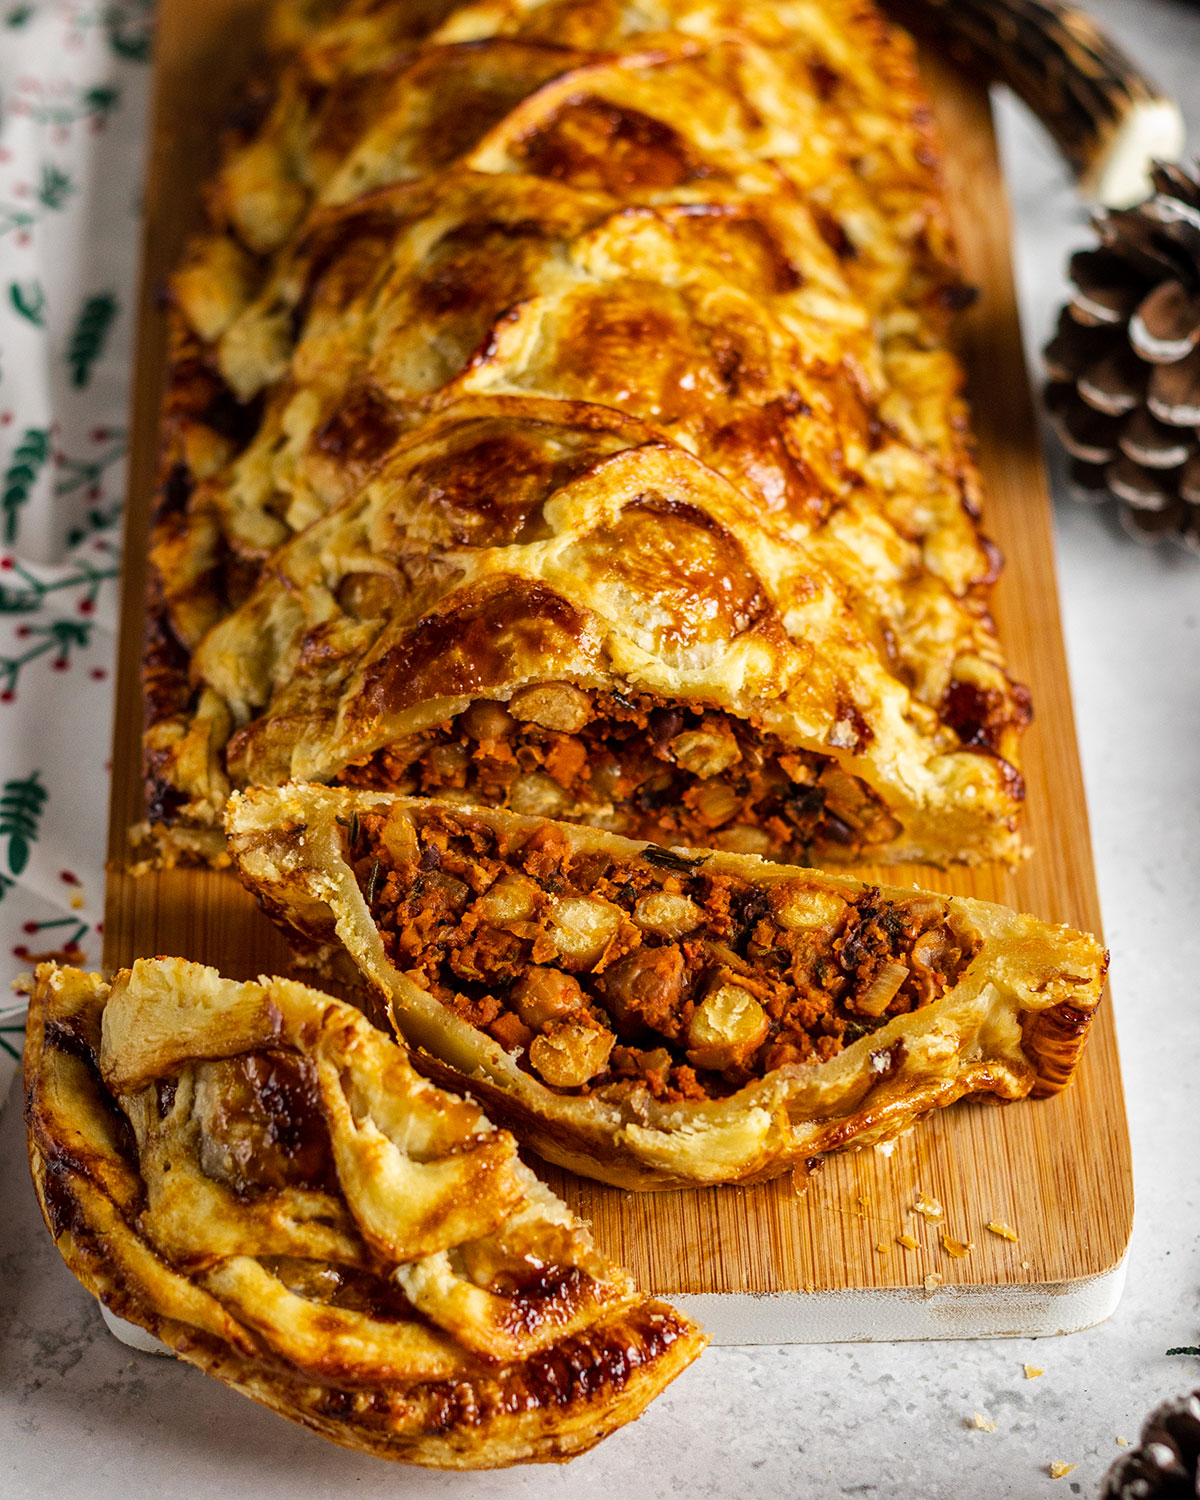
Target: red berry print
68	877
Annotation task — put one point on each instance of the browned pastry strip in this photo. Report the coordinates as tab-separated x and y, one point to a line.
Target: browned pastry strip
657	1017
609	344
255	1174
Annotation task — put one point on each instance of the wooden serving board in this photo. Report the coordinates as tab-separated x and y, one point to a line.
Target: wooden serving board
785	1261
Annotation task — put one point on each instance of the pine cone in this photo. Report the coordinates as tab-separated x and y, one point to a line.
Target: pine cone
1124	365
1164	1466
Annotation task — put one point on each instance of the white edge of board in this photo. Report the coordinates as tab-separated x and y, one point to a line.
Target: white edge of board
897	1315
900	1314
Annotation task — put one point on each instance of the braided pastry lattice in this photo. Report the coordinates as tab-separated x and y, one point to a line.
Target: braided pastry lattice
592	341
259	1177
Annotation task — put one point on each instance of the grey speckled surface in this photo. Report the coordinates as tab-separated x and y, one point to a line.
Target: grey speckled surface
80	1416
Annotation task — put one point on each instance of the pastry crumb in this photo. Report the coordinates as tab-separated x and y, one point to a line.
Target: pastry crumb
864	1203
885	1148
957	1248
1122	1442
985	1424
1025	1265
1032	1372
1005	1231
907	1241
927	1206
881	1248
1059	1470
932	1281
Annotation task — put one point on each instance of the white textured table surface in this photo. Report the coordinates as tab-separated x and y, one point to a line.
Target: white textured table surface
80	1416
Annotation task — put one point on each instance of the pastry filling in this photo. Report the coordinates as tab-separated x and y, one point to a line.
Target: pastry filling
643	768
260	1124
603	973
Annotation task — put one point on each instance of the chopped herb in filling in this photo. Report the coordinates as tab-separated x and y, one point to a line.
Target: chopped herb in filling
602	972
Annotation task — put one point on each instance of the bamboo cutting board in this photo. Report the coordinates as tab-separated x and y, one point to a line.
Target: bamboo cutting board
785	1261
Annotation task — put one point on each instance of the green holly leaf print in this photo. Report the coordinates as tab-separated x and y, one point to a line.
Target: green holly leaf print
29	300
28	460
99	101
12	1033
55	187
68	633
129	36
90	335
21	804
17	16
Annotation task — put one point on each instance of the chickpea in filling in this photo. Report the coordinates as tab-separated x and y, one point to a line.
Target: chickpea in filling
639	767
606	973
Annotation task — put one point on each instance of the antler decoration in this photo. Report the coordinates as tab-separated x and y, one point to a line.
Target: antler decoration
1109	120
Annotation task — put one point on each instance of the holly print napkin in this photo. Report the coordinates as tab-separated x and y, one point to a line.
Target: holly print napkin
73	91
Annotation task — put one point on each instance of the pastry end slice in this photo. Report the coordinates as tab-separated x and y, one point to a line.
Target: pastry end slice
656	1017
256	1175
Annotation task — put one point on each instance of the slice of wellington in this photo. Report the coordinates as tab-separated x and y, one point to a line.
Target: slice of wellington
658	1017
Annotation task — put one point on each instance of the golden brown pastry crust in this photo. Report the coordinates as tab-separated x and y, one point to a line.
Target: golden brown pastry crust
257	1176
696	252
1009	1019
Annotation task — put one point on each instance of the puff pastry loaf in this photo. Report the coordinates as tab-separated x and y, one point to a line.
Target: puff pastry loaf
596	347
256	1175
655	1017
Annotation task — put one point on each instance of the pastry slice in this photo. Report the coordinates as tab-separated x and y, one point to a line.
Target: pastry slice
256	1174
658	1018
560	610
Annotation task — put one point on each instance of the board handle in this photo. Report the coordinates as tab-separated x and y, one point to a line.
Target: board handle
1106	116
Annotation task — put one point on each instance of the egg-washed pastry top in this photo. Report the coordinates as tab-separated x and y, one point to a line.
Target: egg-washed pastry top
256	1174
658	1017
561	415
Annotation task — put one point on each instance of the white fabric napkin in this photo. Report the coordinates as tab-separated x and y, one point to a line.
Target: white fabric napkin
73	92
